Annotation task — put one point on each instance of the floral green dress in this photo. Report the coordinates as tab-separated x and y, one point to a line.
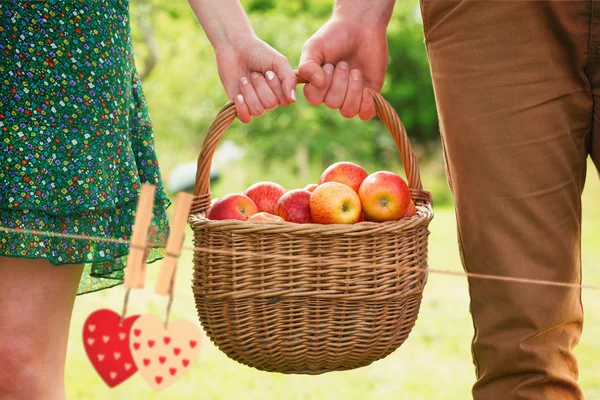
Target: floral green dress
76	140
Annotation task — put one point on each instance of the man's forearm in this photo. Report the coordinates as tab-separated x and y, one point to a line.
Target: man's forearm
223	21
369	12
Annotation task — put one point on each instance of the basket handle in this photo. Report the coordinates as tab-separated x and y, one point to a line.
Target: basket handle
227	114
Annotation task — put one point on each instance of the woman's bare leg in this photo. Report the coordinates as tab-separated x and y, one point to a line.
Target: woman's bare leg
36	302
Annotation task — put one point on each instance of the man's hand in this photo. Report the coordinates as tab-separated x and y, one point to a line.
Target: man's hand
347	57
257	76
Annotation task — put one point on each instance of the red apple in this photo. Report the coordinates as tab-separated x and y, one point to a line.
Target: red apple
265	195
294	206
344	172
411	211
384	197
311	188
263	216
233	206
335	203
362	217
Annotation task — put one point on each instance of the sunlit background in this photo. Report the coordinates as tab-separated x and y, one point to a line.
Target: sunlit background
292	146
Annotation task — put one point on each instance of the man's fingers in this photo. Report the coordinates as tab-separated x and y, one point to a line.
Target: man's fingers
315	95
265	94
310	64
313	73
243	113
367	106
351	105
339	85
251	98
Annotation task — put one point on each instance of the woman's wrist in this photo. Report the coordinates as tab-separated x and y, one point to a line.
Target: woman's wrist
225	23
233	40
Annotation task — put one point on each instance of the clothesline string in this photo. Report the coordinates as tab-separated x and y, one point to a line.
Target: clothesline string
293	258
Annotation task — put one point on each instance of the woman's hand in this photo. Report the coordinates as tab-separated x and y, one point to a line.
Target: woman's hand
256	76
253	73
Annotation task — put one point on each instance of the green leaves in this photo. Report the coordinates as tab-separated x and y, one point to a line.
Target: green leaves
184	91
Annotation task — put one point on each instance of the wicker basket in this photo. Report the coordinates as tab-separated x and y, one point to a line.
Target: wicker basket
309	299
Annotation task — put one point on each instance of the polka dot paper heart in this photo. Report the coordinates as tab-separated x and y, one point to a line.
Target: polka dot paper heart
163	355
106	343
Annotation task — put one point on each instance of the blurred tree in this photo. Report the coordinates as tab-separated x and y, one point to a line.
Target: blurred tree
408	84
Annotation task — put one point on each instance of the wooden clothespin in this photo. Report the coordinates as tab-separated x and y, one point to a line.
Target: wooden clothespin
168	270
141	275
138	251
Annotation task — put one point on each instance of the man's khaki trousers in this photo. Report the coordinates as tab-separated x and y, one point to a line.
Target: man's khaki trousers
517	85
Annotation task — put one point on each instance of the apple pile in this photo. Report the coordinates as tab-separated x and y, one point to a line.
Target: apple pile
346	194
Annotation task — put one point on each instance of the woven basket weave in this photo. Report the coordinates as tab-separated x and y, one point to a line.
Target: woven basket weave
309	299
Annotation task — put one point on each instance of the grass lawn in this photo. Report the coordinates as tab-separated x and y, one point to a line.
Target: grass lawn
434	363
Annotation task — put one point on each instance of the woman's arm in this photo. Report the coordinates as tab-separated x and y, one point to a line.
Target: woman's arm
252	72
224	21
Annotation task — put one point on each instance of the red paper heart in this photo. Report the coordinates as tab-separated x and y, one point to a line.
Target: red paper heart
172	371
176	350
158	379
106	342
146	362
137	332
185	362
162	359
167	340
193	343
150	343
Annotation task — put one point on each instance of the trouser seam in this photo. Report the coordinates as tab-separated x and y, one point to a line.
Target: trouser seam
590	58
464	263
459	236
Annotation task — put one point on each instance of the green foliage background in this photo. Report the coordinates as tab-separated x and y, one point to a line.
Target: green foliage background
184	91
